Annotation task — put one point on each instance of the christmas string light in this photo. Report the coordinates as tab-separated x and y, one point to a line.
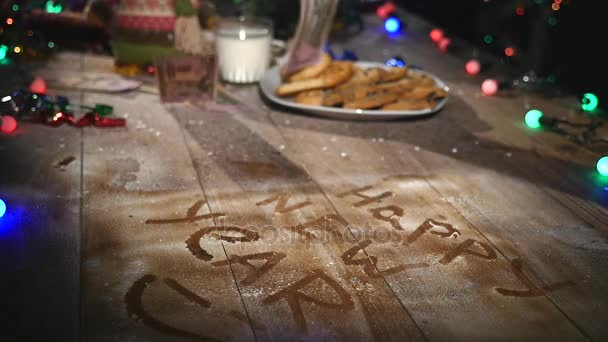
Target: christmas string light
472	67
436	35
589	102
392	25
602	166
9	124
2	208
489	87
587	135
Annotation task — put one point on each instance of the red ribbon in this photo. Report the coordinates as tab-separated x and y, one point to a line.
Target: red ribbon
88	119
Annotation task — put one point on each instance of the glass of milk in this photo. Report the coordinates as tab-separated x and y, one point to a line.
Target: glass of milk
243	48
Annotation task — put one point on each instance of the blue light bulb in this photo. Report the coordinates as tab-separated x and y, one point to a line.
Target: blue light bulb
2	208
392	25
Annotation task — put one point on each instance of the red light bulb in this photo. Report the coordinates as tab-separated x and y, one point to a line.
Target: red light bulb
472	67
38	86
436	35
9	124
385	10
489	87
444	43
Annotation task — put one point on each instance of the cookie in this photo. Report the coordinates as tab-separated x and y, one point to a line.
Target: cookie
372	101
393	74
310	97
312	71
363	77
427	93
337	73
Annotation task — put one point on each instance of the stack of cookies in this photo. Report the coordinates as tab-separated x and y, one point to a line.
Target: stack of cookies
343	84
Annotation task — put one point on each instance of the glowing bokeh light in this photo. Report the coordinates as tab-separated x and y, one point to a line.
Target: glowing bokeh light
532	118
489	87
589	102
3	51
472	67
51	7
436	35
444	44
8	125
392	25
2	207
602	166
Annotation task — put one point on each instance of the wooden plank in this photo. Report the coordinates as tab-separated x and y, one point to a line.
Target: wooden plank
245	175
343	155
142	201
498	154
524	222
40	181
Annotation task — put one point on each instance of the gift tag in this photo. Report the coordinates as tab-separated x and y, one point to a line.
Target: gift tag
183	78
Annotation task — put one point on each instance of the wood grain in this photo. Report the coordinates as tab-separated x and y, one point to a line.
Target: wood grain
141	202
245	175
351	160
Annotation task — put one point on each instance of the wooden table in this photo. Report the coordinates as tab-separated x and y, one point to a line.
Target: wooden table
247	222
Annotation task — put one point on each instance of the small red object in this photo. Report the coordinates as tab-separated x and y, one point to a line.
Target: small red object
520	11
444	43
9	124
489	87
436	35
385	10
38	86
510	52
472	67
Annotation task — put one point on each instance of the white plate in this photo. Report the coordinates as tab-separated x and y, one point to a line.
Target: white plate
272	79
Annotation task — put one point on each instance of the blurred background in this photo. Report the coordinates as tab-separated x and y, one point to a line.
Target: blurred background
556	41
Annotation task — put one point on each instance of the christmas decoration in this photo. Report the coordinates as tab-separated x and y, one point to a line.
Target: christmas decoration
2	208
18	37
602	166
533	117
38	86
472	67
489	87
385	10
444	44
436	35
395	62
589	102
9	124
392	25
143	30
55	110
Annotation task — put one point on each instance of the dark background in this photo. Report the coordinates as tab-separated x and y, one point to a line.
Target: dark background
572	51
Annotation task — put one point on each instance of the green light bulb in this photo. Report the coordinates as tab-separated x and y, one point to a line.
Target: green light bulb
3	50
51	7
488	39
589	102
602	166
533	118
